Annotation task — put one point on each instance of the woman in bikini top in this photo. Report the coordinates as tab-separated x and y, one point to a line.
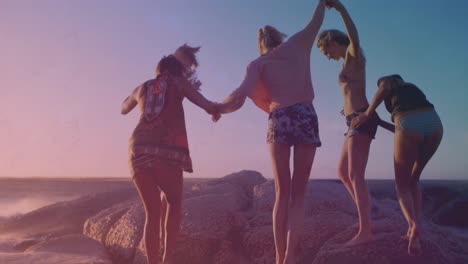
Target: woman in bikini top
337	45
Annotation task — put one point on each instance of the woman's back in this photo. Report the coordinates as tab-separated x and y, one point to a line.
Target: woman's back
406	97
168	126
285	72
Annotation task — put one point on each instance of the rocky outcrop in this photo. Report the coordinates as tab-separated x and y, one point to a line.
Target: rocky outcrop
228	220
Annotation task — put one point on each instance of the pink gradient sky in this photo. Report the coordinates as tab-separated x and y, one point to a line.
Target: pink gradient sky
66	66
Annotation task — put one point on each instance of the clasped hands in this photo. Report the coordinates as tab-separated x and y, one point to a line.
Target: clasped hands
215	111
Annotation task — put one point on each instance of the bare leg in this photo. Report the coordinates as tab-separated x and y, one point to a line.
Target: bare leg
146	186
406	154
162	229
171	183
303	159
343	172
426	152
358	153
280	154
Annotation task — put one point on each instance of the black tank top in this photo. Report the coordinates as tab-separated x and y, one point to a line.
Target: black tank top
406	97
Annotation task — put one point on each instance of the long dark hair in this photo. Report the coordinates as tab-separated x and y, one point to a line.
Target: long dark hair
170	65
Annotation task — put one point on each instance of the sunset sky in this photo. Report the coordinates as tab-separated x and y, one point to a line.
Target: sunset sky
66	66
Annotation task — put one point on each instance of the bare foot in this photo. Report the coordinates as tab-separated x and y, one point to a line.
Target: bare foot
414	246
360	239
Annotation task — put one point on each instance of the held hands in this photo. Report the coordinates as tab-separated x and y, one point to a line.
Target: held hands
216	117
359	120
214	111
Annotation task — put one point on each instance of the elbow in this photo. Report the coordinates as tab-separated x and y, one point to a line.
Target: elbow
238	104
124	111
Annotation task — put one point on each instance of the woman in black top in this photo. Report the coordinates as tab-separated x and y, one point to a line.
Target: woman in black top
418	133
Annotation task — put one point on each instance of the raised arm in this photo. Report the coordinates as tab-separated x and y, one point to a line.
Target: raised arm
349	25
131	101
309	33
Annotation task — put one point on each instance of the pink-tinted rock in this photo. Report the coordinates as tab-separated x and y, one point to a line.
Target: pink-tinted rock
264	196
98	226
228	220
259	245
125	235
387	248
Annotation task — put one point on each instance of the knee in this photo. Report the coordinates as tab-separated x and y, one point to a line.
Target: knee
283	186
282	194
356	178
343	174
402	186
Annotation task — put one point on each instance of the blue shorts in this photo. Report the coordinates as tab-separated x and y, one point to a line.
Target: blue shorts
368	128
424	123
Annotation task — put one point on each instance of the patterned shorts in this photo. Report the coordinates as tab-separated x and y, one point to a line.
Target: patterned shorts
295	124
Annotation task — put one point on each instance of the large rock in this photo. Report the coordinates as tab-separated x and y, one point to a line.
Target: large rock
264	197
454	213
245	179
387	248
229	220
215	214
322	196
98	226
259	245
125	235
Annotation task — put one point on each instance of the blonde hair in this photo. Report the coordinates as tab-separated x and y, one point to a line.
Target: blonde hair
332	34
271	36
